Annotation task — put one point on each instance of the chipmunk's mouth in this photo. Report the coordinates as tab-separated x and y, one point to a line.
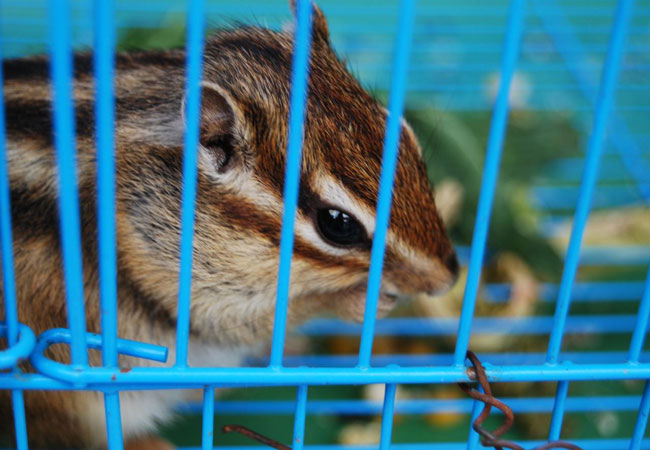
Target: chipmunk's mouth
387	301
354	303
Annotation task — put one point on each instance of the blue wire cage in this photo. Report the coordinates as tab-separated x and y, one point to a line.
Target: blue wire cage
590	58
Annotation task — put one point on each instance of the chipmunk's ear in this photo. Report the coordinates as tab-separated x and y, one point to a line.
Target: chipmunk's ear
220	126
320	29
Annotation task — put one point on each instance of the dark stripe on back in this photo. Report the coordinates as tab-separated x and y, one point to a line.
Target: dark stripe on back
33	120
28	68
36	216
33	216
161	59
38	68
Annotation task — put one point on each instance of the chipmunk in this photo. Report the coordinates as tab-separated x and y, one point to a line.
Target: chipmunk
243	136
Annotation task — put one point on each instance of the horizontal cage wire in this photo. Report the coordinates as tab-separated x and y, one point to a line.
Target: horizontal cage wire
531	120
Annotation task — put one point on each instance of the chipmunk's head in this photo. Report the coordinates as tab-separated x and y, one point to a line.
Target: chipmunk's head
243	140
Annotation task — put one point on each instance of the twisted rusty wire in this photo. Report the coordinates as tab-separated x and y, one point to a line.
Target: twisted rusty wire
493	438
489	438
255	436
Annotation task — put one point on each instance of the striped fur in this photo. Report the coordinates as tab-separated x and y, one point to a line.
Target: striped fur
238	208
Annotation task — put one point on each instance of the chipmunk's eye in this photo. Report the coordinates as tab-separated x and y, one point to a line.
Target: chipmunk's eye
338	227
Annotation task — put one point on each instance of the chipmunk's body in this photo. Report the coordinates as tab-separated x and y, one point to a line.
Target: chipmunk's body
243	134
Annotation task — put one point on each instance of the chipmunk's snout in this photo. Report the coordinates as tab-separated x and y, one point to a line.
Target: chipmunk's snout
415	275
441	283
452	264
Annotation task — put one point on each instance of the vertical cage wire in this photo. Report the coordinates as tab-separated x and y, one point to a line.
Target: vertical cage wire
594	151
387	416
636	345
387	177
641	419
641	327
473	437
195	10
299	418
207	440
64	143
557	416
8	275
389	162
113	420
604	104
512	42
105	116
299	82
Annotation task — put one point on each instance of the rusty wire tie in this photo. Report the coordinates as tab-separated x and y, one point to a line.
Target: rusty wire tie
490	438
255	436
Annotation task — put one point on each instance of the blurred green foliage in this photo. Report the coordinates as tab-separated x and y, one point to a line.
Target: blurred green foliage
172	35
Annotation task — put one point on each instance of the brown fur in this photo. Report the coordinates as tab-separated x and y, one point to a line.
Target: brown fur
246	86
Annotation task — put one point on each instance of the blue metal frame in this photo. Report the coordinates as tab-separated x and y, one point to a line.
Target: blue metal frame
192	109
389	163
387	416
490	174
64	144
292	175
364	369
299	418
208	414
20	338
595	146
105	113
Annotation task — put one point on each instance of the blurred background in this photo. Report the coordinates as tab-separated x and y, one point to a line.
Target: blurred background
453	79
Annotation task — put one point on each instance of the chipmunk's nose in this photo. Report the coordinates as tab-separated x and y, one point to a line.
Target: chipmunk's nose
432	276
452	264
